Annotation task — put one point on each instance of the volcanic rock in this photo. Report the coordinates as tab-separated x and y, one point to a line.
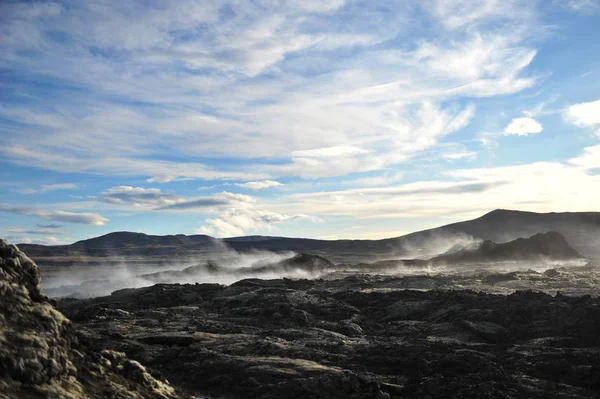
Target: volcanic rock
357	337
42	355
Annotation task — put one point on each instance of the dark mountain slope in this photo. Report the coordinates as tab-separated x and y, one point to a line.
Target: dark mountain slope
550	245
581	230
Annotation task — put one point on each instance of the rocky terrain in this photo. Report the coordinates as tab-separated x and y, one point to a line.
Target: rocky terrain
356	337
43	355
482	320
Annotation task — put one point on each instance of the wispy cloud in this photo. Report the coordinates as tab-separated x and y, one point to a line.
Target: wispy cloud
248	84
138	196
210	203
47	187
59	216
50	226
259	185
583	6
161	179
38	231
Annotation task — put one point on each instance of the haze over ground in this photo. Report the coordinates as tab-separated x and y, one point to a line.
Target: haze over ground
339	119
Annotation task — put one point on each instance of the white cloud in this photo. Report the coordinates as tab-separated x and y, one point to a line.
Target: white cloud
161	179
589	159
59	216
375	180
259	185
460	13
337	151
455	156
237	221
47	187
583	114
523	127
276	87
468	193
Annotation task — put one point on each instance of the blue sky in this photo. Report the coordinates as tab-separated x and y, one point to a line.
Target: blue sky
324	119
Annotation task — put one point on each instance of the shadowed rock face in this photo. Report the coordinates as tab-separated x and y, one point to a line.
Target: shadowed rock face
42	355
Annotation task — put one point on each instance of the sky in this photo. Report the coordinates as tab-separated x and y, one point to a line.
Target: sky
322	119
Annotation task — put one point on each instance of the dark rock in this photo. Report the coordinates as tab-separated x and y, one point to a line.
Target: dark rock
358	337
551	273
551	245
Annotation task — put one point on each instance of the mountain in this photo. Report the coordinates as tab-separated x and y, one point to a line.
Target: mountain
549	245
581	230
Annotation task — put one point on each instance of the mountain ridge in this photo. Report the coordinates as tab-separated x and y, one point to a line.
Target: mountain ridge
581	229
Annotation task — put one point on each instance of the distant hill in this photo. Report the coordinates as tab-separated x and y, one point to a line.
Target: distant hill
581	230
551	245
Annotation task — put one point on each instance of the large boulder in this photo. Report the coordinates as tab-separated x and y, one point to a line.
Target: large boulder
42	355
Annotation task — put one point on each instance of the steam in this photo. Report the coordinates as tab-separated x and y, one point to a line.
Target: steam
223	265
436	243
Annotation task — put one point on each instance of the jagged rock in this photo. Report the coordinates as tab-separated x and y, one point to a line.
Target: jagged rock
42	355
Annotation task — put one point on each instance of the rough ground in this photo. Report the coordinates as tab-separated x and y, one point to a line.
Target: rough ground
42	355
356	337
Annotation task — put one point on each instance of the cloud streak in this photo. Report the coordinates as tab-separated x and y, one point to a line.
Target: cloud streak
222	199
259	185
47	188
138	197
59	216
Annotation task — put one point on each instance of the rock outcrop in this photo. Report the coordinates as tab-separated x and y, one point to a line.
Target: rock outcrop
550	246
42	354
